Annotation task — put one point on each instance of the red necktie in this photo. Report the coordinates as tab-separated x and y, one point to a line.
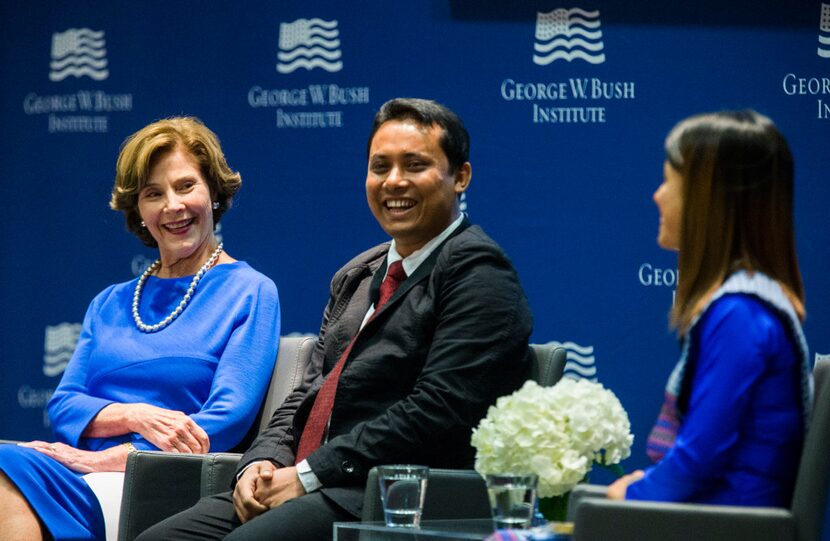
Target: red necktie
318	417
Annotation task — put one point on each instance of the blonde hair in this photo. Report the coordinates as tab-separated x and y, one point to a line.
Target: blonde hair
737	173
141	150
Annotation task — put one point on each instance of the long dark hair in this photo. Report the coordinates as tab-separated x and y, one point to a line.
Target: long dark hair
737	172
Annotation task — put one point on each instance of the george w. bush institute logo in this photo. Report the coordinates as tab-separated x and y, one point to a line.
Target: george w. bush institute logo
568	34
824	29
78	52
59	346
309	44
580	363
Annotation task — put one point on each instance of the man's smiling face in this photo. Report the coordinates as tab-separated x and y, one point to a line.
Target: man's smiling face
410	190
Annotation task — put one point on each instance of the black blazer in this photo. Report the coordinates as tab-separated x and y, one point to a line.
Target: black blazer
422	373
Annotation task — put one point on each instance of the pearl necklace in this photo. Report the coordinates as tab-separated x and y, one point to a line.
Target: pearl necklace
187	296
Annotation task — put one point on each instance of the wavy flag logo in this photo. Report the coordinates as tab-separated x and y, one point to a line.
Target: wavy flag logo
566	34
77	52
580	361
59	346
824	35
309	44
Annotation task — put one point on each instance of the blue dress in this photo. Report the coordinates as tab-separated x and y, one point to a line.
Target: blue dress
214	363
740	440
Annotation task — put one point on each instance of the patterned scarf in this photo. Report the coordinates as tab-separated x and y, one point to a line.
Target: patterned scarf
662	436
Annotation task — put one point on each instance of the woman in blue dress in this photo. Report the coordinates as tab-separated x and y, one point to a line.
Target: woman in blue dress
177	360
737	403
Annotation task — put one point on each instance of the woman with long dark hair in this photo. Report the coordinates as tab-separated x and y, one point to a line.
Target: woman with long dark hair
737	403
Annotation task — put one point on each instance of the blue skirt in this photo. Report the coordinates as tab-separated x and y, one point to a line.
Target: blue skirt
59	496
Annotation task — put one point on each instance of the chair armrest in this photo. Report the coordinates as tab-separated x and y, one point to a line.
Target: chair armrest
582	491
601	519
218	471
455	494
451	494
372	506
10	442
156	486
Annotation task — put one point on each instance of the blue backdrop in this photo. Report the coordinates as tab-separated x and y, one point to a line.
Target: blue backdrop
567	105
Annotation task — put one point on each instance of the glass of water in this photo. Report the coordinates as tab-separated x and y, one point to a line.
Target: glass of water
402	491
512	499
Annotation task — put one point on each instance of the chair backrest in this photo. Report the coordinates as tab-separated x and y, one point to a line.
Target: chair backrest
549	363
292	358
811	485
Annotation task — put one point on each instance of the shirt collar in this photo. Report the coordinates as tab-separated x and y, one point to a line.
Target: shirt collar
414	260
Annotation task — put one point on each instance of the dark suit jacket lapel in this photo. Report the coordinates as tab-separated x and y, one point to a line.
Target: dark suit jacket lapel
421	273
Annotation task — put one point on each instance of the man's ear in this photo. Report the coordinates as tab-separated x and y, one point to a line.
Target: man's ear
462	178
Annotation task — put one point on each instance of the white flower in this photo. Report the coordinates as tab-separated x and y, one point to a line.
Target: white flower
555	432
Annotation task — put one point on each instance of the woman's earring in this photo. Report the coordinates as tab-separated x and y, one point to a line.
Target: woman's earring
143	224
216	205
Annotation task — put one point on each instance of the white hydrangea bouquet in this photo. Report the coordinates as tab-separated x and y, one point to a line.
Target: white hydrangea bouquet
556	432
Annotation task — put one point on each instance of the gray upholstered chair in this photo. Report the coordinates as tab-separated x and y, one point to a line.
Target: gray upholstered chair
158	485
596	518
549	363
457	494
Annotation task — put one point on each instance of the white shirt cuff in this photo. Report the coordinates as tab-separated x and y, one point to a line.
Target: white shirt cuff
239	475
307	478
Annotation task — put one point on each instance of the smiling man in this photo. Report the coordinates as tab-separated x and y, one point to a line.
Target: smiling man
411	185
419	338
